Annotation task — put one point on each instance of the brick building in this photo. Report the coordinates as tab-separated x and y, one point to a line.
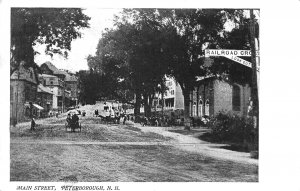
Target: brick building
23	90
212	95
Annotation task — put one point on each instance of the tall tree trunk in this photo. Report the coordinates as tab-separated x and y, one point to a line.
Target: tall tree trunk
204	98
147	108
162	103
197	102
137	104
150	103
187	120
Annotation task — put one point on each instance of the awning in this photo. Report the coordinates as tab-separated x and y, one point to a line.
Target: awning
34	105
38	107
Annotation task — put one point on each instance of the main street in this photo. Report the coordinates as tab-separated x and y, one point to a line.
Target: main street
111	152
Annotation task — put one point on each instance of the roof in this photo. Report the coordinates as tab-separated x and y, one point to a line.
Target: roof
44	89
69	76
53	68
25	73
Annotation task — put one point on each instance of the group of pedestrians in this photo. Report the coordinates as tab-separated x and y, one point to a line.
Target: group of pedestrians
112	115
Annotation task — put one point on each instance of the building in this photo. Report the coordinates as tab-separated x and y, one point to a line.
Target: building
50	69
44	99
69	86
212	95
173	97
23	91
71	82
67	98
56	86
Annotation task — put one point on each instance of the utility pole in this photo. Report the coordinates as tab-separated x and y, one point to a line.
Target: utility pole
254	90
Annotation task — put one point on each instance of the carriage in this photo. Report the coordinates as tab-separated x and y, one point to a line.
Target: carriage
72	123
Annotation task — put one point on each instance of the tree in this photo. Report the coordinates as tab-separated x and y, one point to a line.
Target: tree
134	55
147	44
196	29
55	27
199	29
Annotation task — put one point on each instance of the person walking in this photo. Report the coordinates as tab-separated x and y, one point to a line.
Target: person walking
32	124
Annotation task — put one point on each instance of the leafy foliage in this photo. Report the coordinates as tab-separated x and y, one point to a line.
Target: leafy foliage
232	128
146	45
134	55
55	27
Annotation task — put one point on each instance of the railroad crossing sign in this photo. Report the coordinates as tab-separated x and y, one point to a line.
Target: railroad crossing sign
241	61
232	55
227	52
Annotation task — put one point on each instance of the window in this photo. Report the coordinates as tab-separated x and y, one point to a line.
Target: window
200	107
172	92
200	102
51	82
207	107
236	98
194	109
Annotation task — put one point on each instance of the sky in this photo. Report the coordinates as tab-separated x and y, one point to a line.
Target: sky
86	45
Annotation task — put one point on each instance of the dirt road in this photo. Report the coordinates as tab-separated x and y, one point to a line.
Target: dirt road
111	153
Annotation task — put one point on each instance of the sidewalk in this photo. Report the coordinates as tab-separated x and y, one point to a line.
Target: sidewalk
192	144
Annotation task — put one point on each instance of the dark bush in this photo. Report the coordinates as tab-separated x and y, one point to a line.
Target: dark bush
232	128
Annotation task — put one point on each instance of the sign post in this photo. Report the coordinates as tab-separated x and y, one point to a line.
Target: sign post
254	90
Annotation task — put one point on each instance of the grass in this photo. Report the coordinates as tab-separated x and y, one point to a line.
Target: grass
117	163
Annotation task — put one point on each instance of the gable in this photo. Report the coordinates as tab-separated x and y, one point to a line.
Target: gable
23	73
